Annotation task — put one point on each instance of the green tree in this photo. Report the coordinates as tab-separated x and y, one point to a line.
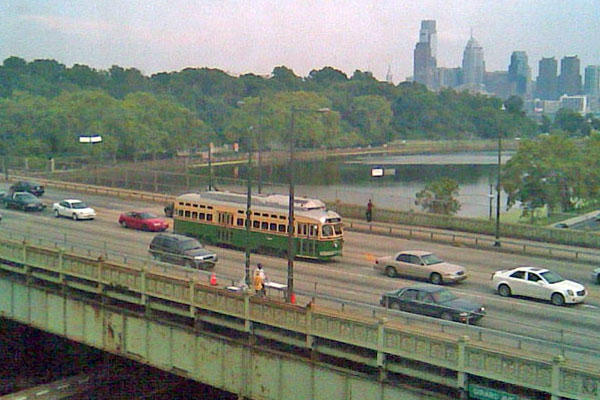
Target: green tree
439	197
546	171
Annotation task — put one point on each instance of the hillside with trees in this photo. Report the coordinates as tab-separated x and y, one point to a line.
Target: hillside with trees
45	106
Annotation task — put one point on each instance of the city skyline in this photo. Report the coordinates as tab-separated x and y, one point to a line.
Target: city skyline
254	37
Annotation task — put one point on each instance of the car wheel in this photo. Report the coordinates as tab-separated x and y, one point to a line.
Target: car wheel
395	306
56	214
557	299
390	271
447	316
75	217
124	224
504	290
435	278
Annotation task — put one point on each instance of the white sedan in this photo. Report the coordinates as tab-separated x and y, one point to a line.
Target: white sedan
75	209
539	283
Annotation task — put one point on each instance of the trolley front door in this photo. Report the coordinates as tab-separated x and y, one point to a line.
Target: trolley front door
225	231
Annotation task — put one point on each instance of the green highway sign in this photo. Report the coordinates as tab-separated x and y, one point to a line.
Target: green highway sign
486	393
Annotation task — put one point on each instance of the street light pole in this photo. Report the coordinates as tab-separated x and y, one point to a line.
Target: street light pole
497	242
209	167
259	145
291	248
248	213
291	252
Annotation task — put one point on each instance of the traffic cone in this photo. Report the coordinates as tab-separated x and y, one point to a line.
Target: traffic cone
293	298
213	279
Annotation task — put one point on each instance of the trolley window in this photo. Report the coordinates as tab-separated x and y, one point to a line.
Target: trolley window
209	217
240	222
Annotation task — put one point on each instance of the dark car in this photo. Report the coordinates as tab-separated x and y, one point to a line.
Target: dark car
182	250
22	201
26	186
433	301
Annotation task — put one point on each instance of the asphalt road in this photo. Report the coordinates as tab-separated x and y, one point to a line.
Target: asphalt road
351	277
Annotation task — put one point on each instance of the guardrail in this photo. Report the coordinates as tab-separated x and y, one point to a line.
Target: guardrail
478	241
387	339
555	341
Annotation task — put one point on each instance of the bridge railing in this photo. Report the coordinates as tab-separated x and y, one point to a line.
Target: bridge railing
548	340
187	296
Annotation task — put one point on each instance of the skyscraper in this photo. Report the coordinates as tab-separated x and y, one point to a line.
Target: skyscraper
569	80
547	80
592	80
428	34
519	74
473	65
424	62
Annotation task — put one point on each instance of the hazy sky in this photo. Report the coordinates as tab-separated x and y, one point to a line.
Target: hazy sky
241	36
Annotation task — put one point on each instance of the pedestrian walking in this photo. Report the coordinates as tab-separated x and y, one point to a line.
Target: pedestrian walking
259	280
369	211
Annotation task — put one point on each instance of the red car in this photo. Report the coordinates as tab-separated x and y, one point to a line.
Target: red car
142	220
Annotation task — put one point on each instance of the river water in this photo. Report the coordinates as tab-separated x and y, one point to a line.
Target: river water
350	180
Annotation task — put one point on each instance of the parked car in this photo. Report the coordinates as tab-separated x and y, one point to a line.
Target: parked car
142	220
26	186
538	283
596	275
72	208
182	250
22	201
420	264
433	301
169	208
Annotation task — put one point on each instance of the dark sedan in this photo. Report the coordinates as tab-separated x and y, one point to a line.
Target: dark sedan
433	301
26	186
143	220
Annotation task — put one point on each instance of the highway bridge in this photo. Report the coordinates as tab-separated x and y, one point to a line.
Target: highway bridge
158	314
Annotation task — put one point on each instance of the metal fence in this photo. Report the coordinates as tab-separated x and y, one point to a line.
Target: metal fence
542	339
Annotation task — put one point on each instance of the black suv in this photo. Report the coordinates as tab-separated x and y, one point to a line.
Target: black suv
182	250
26	186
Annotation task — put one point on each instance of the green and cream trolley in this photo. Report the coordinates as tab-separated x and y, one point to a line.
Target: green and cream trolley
220	217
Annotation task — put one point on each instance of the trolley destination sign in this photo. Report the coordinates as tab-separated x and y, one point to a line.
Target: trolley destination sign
486	393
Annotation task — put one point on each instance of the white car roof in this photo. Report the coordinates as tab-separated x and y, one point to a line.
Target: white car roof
73	201
529	269
415	252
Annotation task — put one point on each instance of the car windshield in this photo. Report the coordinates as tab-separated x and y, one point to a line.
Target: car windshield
430	259
327	230
552	277
25	197
443	296
78	204
147	215
191	245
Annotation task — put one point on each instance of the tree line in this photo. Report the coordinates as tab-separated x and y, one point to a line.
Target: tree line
45	106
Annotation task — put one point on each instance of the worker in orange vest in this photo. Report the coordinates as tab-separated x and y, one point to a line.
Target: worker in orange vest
259	280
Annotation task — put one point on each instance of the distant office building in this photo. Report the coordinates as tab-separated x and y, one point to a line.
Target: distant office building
473	66
547	80
428	34
592	80
449	77
569	80
519	74
497	83
575	103
424	65
424	61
